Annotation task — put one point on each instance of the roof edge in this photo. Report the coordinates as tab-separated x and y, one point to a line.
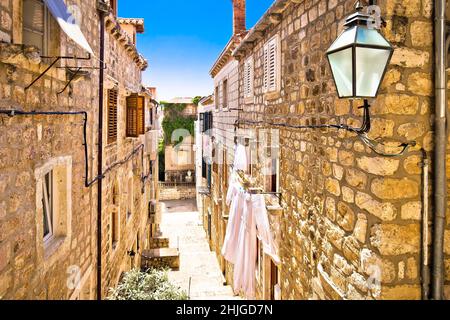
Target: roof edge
270	17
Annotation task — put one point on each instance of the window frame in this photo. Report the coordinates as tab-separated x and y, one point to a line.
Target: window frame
217	98
115	229
225	93
52	247
48	205
44	51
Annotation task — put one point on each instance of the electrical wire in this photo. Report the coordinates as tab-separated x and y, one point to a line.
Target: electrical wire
360	132
88	184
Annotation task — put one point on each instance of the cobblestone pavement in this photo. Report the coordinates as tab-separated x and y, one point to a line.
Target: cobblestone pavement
181	223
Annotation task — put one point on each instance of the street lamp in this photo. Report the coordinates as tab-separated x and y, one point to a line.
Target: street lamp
359	57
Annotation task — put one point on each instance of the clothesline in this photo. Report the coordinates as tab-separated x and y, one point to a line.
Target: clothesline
259	191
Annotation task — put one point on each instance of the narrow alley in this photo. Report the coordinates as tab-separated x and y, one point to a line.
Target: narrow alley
181	223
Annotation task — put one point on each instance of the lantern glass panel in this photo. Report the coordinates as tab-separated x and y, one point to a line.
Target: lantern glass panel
371	37
370	66
345	39
341	65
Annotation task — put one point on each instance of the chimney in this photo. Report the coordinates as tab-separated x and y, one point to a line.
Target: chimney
239	25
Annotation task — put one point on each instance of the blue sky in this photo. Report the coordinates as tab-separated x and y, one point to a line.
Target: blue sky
182	40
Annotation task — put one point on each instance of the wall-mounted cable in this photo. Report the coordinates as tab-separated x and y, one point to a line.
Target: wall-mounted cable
88	183
360	132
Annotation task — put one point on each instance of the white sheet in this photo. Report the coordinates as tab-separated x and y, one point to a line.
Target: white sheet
67	22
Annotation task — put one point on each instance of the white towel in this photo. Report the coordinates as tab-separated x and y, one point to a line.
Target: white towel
240	158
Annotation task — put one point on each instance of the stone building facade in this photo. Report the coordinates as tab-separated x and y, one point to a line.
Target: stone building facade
48	214
350	222
179	158
217	125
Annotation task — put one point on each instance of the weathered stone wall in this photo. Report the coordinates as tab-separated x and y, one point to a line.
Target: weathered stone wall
177	192
347	210
158	243
124	184
27	143
224	117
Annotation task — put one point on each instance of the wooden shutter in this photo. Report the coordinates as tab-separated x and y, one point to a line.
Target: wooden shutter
141	115
132	130
266	68
271	65
248	78
273	61
112	116
135	116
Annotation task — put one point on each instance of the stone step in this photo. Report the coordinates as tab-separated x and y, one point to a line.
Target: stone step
161	258
159	243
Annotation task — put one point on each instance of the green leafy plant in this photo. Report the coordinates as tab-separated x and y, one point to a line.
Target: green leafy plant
196	100
174	119
151	285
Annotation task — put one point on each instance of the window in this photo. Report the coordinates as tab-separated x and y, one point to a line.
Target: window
248	78
53	208
130	198
206	122
250	154
204	168
53	193
112	116
138	244
114	228
271	65
216	98
274	280
36	25
202	122
115	195
151	116
135	116
47	204
225	94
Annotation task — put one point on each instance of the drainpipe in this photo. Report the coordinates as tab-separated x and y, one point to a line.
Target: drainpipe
101	13
425	227
440	178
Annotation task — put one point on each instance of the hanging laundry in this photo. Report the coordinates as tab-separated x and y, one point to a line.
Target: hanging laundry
240	158
207	149
248	221
235	199
254	225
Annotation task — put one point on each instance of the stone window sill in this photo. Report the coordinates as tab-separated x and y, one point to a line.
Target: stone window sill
111	145
274	95
53	246
19	54
249	100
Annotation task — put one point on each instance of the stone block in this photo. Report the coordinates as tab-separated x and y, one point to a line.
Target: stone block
412	211
380	166
393	240
395	189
